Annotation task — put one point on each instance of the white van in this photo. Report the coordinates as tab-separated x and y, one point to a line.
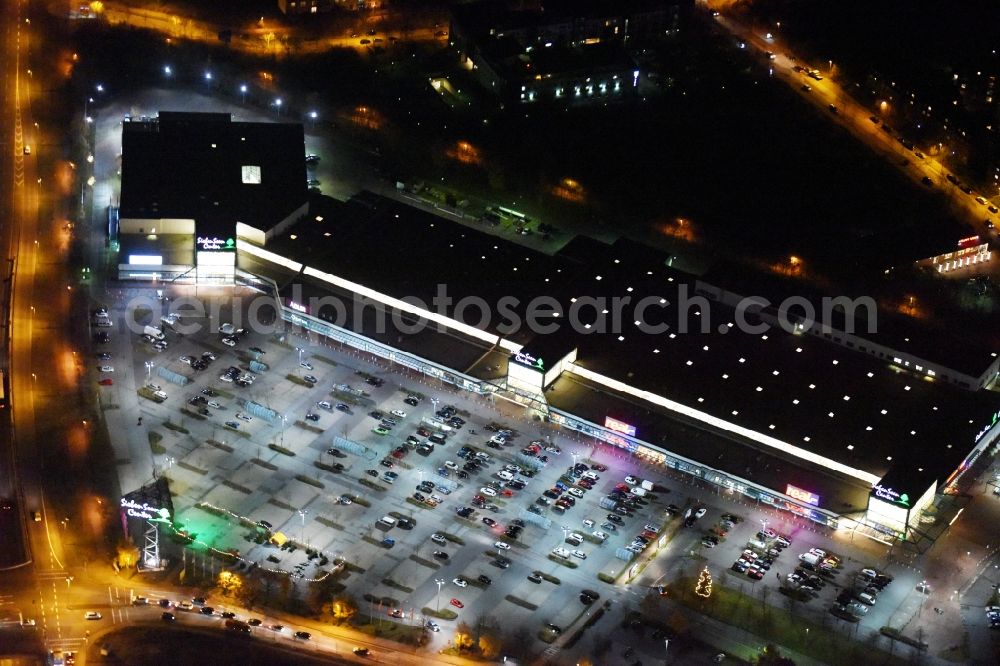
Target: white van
560	552
153	332
637	491
388	521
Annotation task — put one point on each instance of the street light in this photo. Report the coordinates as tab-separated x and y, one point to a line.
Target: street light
440	583
277	107
313	116
149	370
302	515
100	88
208	76
167	70
243	93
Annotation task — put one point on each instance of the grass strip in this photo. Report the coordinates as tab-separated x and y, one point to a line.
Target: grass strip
518	601
176	428
312	482
281	449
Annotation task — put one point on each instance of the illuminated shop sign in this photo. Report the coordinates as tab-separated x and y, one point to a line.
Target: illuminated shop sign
619	426
295	306
890	495
215	244
802	495
986	429
145	511
529	360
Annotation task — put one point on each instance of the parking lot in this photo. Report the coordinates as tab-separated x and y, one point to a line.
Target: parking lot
279	441
296	449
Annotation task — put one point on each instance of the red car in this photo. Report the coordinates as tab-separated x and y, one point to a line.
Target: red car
106	382
423	432
457	604
506	492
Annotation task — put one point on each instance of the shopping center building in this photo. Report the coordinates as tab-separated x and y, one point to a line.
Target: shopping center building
860	430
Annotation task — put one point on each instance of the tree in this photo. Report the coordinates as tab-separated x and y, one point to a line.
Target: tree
489	644
463	636
771	656
703	588
341	608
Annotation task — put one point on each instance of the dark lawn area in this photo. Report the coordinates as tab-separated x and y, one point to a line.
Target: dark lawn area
149	645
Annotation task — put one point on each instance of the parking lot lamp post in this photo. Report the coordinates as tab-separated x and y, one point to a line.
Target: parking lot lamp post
440	583
313	116
149	370
299	350
666	648
302	515
284	420
243	93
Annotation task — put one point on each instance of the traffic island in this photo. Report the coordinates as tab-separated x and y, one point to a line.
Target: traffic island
398	586
371	484
426	563
280	449
443	614
563	561
312	482
518	601
154	443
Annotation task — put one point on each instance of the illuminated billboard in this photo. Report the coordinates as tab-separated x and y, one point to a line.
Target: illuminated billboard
619	426
802	495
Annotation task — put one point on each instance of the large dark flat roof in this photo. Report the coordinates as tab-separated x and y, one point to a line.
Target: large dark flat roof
954	346
403	252
802	391
799	389
191	166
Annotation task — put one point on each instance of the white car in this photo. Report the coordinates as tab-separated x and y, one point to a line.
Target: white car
435	499
307	366
244	417
553	449
513	469
489	492
591	475
451	464
700	512
631	480
560	552
501	545
579	553
575	536
398	413
506	476
587	522
92	615
160	394
107	368
324	404
437	538
214	404
576	492
226	378
461	582
229	342
600	535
